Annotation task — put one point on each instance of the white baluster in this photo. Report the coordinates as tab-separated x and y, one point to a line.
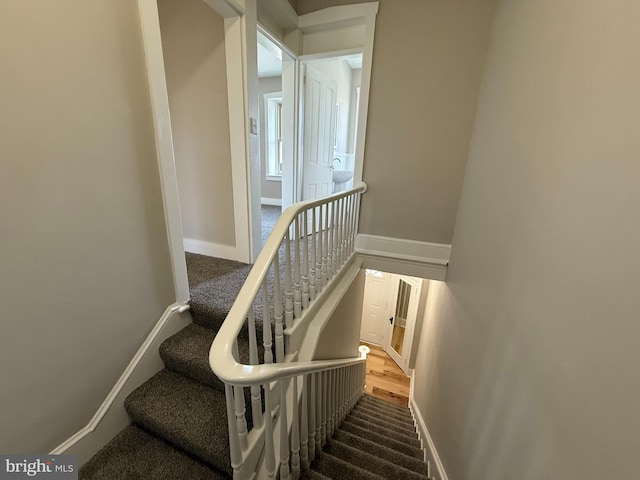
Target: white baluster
277	307
312	417
269	453
266	325
318	411
234	439
305	261
295	433
343	232
288	284
326	251
241	419
284	437
334	235
312	270
256	400
304	424
297	281
325	394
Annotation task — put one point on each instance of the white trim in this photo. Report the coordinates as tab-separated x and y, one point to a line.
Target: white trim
236	86
226	8
276	202
273	178
211	249
333	17
145	363
408	257
430	453
150	29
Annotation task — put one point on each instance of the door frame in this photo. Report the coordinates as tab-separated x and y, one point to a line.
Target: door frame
403	358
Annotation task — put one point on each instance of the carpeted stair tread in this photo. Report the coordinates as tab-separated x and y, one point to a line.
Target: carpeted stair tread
186	413
381	439
385	406
369	462
380	451
374	428
187	352
405	419
136	454
387	422
312	475
338	469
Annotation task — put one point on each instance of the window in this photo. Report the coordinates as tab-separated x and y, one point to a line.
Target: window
273	145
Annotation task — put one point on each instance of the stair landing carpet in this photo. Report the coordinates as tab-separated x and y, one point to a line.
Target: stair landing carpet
178	417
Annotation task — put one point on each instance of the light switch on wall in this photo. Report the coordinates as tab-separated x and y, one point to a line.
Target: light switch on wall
253	125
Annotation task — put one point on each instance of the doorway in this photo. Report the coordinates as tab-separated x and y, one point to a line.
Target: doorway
391	312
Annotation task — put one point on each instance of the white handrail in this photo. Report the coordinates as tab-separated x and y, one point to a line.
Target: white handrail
318	247
221	358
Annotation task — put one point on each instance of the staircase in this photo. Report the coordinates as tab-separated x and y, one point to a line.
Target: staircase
188	423
377	440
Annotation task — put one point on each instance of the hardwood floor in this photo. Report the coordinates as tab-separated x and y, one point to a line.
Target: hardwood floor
385	379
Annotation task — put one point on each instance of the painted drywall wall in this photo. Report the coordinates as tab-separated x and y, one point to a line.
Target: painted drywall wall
529	367
269	188
85	268
194	55
341	335
427	65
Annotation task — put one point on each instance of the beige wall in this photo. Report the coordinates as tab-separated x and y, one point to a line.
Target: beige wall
427	64
269	188
85	270
530	361
341	336
193	45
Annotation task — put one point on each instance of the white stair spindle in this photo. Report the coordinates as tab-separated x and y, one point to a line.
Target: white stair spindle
313	266
324	392
234	439
288	284
256	399
305	260
284	435
334	235
269	453
318	394
304	424
297	280
295	432
325	247
241	419
277	307
266	325
312	417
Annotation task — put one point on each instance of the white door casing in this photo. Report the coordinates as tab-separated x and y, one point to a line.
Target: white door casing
320	97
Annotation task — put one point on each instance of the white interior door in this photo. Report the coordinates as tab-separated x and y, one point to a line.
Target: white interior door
374	309
401	325
318	131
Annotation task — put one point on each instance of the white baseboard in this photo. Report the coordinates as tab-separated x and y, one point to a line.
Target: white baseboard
210	249
436	469
276	202
111	417
402	256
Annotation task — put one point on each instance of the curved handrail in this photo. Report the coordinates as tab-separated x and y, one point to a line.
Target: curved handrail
221	358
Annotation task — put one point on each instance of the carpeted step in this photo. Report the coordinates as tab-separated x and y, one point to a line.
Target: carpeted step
188	414
372	427
400	417
312	475
369	462
380	451
338	469
388	422
187	352
381	440
136	454
374	402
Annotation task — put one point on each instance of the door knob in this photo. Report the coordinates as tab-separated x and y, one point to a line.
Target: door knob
391	320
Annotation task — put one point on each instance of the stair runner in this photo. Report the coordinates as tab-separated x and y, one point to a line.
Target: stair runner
179	422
